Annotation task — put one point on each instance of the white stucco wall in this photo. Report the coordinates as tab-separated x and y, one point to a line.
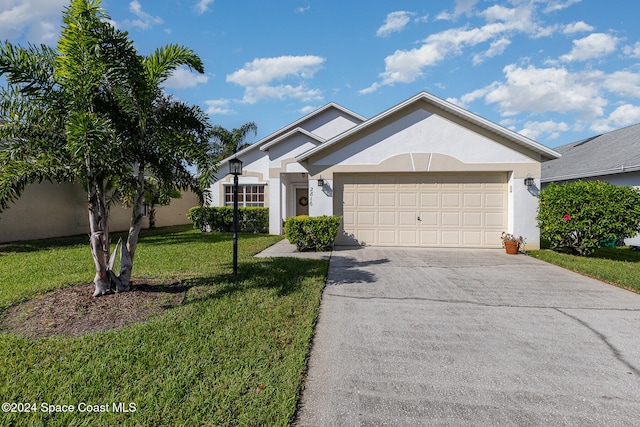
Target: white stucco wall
522	219
320	198
423	132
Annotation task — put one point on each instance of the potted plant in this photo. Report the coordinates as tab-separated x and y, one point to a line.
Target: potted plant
512	244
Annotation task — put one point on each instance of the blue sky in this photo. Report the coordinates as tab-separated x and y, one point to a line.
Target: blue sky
554	70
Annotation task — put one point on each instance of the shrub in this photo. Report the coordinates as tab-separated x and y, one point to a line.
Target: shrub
312	233
208	218
584	216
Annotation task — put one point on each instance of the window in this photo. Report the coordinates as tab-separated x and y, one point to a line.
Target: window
248	195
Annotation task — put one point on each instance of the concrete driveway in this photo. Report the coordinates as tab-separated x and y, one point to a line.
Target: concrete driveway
470	337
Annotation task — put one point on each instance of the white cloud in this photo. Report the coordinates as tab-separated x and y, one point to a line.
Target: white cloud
302	9
632	51
556	5
624	115
496	48
38	20
144	21
183	78
549	128
202	6
258	76
543	90
406	66
464	6
395	22
623	83
577	27
595	45
218	106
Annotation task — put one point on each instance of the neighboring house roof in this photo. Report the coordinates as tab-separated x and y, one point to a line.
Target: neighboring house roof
545	152
606	154
289	129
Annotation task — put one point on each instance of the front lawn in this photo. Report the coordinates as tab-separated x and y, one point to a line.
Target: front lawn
233	353
618	266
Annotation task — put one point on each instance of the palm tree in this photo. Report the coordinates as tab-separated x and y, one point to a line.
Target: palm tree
229	143
92	110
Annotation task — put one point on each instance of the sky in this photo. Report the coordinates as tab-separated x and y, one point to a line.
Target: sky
556	71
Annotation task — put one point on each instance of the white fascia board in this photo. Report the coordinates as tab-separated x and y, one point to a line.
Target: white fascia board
270	144
444	105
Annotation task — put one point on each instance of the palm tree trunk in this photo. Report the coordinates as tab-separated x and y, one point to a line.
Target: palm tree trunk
99	238
129	250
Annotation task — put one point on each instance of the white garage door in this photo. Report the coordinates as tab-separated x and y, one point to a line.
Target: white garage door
452	210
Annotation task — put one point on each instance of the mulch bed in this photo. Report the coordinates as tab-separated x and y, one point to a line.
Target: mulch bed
73	311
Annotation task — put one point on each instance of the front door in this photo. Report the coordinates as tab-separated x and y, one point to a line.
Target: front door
302	201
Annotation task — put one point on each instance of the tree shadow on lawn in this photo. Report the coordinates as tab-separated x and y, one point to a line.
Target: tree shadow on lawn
283	274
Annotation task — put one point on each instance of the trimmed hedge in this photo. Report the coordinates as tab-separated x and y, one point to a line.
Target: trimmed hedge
209	218
312	233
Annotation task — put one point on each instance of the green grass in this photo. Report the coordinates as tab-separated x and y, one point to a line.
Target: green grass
234	353
619	266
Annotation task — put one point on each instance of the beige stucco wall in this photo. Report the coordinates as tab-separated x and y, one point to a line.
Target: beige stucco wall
54	210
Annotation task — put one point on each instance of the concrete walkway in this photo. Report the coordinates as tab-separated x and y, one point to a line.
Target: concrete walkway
412	337
285	249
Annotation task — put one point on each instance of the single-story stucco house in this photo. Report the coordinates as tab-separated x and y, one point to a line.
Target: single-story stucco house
612	157
424	172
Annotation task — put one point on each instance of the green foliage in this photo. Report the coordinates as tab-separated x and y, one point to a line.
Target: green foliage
584	216
312	233
210	218
233	354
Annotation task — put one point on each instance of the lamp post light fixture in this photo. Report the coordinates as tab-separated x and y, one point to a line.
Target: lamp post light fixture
235	169
528	181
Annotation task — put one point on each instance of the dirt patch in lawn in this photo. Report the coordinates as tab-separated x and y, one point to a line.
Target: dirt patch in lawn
73	311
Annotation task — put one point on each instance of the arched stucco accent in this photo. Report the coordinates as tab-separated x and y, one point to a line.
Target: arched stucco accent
427	162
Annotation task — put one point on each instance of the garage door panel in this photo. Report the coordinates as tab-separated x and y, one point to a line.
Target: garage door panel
450	219
407	218
408	200
450	238
494	219
387	218
450	200
429	200
387	200
407	238
429	219
472	219
387	237
494	200
473	200
453	210
366	218
429	237
471	238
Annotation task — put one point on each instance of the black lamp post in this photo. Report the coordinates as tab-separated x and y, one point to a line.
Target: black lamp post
235	169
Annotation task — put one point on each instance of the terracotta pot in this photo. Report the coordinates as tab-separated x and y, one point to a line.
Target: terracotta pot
511	247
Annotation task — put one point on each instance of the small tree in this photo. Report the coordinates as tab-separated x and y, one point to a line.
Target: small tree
585	215
92	111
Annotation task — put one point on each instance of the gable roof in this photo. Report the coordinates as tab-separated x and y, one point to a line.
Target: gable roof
521	140
605	154
265	147
291	127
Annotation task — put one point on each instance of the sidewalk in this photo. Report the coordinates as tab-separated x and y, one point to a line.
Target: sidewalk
285	249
